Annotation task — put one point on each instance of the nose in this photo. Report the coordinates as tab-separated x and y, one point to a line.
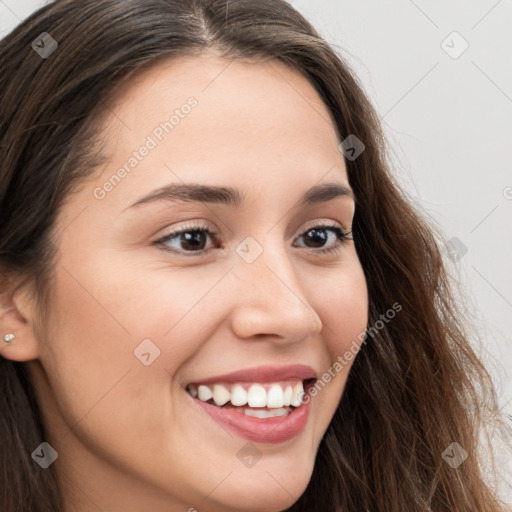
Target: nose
269	302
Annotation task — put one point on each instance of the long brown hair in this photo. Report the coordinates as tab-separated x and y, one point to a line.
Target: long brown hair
415	387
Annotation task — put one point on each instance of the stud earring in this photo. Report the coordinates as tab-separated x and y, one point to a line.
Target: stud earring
8	338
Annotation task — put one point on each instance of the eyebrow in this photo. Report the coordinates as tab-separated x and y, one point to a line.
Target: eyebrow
192	192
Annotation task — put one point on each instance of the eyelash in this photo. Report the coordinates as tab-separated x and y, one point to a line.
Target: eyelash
342	237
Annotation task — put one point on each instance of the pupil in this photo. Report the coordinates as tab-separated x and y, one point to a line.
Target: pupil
316	235
195	238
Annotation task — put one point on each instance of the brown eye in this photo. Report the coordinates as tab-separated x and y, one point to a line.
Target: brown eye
318	236
188	239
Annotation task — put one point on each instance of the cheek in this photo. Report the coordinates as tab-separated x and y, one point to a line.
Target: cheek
90	348
127	303
342	304
104	391
343	307
106	319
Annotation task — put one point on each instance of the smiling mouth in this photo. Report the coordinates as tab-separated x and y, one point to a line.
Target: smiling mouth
259	400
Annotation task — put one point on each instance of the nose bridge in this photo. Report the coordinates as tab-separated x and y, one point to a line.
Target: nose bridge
269	299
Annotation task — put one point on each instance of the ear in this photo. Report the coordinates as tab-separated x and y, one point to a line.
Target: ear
17	317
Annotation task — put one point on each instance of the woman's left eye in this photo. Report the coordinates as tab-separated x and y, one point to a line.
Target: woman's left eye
192	238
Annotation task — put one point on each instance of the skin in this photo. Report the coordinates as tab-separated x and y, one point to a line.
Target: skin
127	436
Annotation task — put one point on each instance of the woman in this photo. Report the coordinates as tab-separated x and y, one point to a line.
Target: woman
214	295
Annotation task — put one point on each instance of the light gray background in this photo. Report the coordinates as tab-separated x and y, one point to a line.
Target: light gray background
450	123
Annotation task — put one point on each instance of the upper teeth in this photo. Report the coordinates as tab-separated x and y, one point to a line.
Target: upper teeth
273	395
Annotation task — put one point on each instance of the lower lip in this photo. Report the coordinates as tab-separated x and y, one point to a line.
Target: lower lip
259	430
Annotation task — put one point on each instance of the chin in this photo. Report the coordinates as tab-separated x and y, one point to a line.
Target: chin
269	488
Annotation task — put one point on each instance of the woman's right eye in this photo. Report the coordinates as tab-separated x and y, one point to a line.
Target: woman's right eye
193	237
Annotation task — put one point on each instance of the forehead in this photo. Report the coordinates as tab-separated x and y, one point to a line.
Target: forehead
251	120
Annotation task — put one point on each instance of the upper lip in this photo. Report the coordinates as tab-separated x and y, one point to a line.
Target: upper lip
263	374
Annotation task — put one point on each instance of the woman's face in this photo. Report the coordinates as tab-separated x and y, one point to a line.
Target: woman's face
136	318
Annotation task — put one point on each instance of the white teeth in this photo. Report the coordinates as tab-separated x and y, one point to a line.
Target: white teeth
238	395
221	395
266	413
204	393
275	397
257	396
298	392
288	395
